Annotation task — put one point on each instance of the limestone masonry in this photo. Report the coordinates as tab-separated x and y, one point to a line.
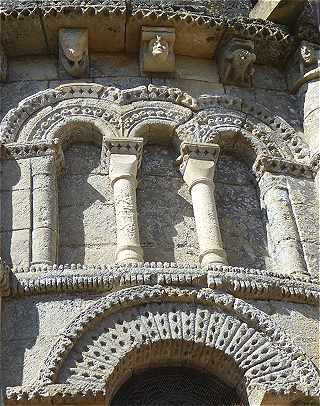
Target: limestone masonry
159	202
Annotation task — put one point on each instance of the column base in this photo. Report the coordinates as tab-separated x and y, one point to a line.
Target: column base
129	254
217	257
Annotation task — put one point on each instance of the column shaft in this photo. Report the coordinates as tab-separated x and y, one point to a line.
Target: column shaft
123	166
44	211
287	252
198	167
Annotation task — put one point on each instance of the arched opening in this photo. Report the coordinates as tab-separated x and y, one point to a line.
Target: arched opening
166	220
86	211
175	386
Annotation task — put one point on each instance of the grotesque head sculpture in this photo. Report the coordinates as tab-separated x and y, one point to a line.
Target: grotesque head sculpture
310	53
156	53
159	48
236	62
73	51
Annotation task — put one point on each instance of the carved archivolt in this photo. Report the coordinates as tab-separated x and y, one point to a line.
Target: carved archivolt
127	330
119	113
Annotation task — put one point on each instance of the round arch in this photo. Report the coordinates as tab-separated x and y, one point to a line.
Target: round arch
121	113
145	326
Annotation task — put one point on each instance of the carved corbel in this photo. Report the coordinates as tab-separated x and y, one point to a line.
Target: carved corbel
3	64
236	62
156	49
309	55
4	279
73	51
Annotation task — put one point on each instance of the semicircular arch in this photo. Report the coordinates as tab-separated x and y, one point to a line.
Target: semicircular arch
110	335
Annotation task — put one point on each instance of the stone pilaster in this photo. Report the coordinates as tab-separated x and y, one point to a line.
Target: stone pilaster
315	164
45	218
198	167
124	160
4	291
283	235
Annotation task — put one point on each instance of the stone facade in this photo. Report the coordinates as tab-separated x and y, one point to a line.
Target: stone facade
159	178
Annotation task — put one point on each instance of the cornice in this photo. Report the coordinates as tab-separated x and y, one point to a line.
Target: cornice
279	39
241	282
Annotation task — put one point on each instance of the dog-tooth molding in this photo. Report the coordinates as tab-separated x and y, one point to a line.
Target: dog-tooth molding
241	282
48	114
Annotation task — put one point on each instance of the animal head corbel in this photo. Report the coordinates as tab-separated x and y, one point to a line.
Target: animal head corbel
73	51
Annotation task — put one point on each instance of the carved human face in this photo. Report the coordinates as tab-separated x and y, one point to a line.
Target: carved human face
308	54
159	48
74	46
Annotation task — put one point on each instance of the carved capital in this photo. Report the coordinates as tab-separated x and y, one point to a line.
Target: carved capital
3	64
122	157
198	162
4	279
156	49
73	51
236	62
23	151
281	166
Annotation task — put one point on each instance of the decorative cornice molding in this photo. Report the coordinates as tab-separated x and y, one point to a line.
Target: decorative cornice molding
241	282
280	166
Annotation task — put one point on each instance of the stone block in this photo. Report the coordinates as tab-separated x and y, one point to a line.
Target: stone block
196	69
79	191
90	255
311	130
14	92
305	208
23	36
81	225
15	210
159	161
16	175
16	247
123	82
114	65
311	100
312	258
267	77
33	68
193	87
234	172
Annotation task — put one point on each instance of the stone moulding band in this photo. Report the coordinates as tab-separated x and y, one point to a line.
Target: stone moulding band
241	282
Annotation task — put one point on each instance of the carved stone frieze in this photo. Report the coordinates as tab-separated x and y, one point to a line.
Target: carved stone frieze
212	315
241	282
157	49
73	51
236	62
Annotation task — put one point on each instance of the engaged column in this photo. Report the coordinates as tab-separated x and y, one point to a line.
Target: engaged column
198	167
124	156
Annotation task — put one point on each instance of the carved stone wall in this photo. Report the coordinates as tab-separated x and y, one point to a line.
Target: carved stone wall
194	160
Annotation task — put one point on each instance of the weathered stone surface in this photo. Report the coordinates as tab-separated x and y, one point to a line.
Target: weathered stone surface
27	68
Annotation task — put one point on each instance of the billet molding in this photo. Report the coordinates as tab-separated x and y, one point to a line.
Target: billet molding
242	282
118	112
